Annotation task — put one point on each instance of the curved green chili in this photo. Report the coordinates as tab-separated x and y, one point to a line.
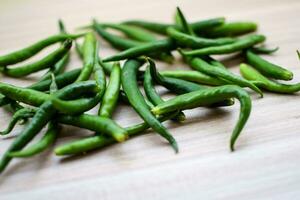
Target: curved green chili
186	40
266	68
239	45
208	96
183	24
96	123
136	99
263	50
202	66
47	140
23	54
88	49
111	95
181	86
263	82
44	63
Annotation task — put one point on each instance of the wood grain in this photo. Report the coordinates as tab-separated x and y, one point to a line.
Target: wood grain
265	165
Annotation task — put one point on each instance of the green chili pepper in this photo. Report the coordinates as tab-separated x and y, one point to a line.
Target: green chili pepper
232	29
208	96
95	142
98	124
181	86
239	45
183	24
202	66
42	116
266	68
88	49
160	28
136	99
123	43
79	106
263	82
21	114
193	76
23	54
114	40
47	140
185	40
145	49
151	93
132	32
44	63
111	94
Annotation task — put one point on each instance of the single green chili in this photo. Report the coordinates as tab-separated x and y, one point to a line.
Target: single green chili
239	45
263	82
23	54
47	140
111	94
88	49
44	63
132	32
208	96
99	124
160	28
193	76
232	29
136	99
266	68
202	66
186	40
98	141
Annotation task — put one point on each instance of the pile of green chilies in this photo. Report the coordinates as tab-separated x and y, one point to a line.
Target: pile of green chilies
61	97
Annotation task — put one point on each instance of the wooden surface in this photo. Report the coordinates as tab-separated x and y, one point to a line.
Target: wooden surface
265	165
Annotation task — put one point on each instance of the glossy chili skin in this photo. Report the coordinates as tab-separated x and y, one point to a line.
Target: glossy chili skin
239	45
25	53
136	99
46	62
208	96
96	142
267	68
263	82
111	95
42	116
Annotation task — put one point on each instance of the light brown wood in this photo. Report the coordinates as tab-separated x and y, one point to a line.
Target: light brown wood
264	166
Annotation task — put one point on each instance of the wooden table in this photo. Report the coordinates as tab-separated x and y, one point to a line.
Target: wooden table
265	165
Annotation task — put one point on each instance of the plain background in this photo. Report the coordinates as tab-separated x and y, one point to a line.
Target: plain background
265	165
